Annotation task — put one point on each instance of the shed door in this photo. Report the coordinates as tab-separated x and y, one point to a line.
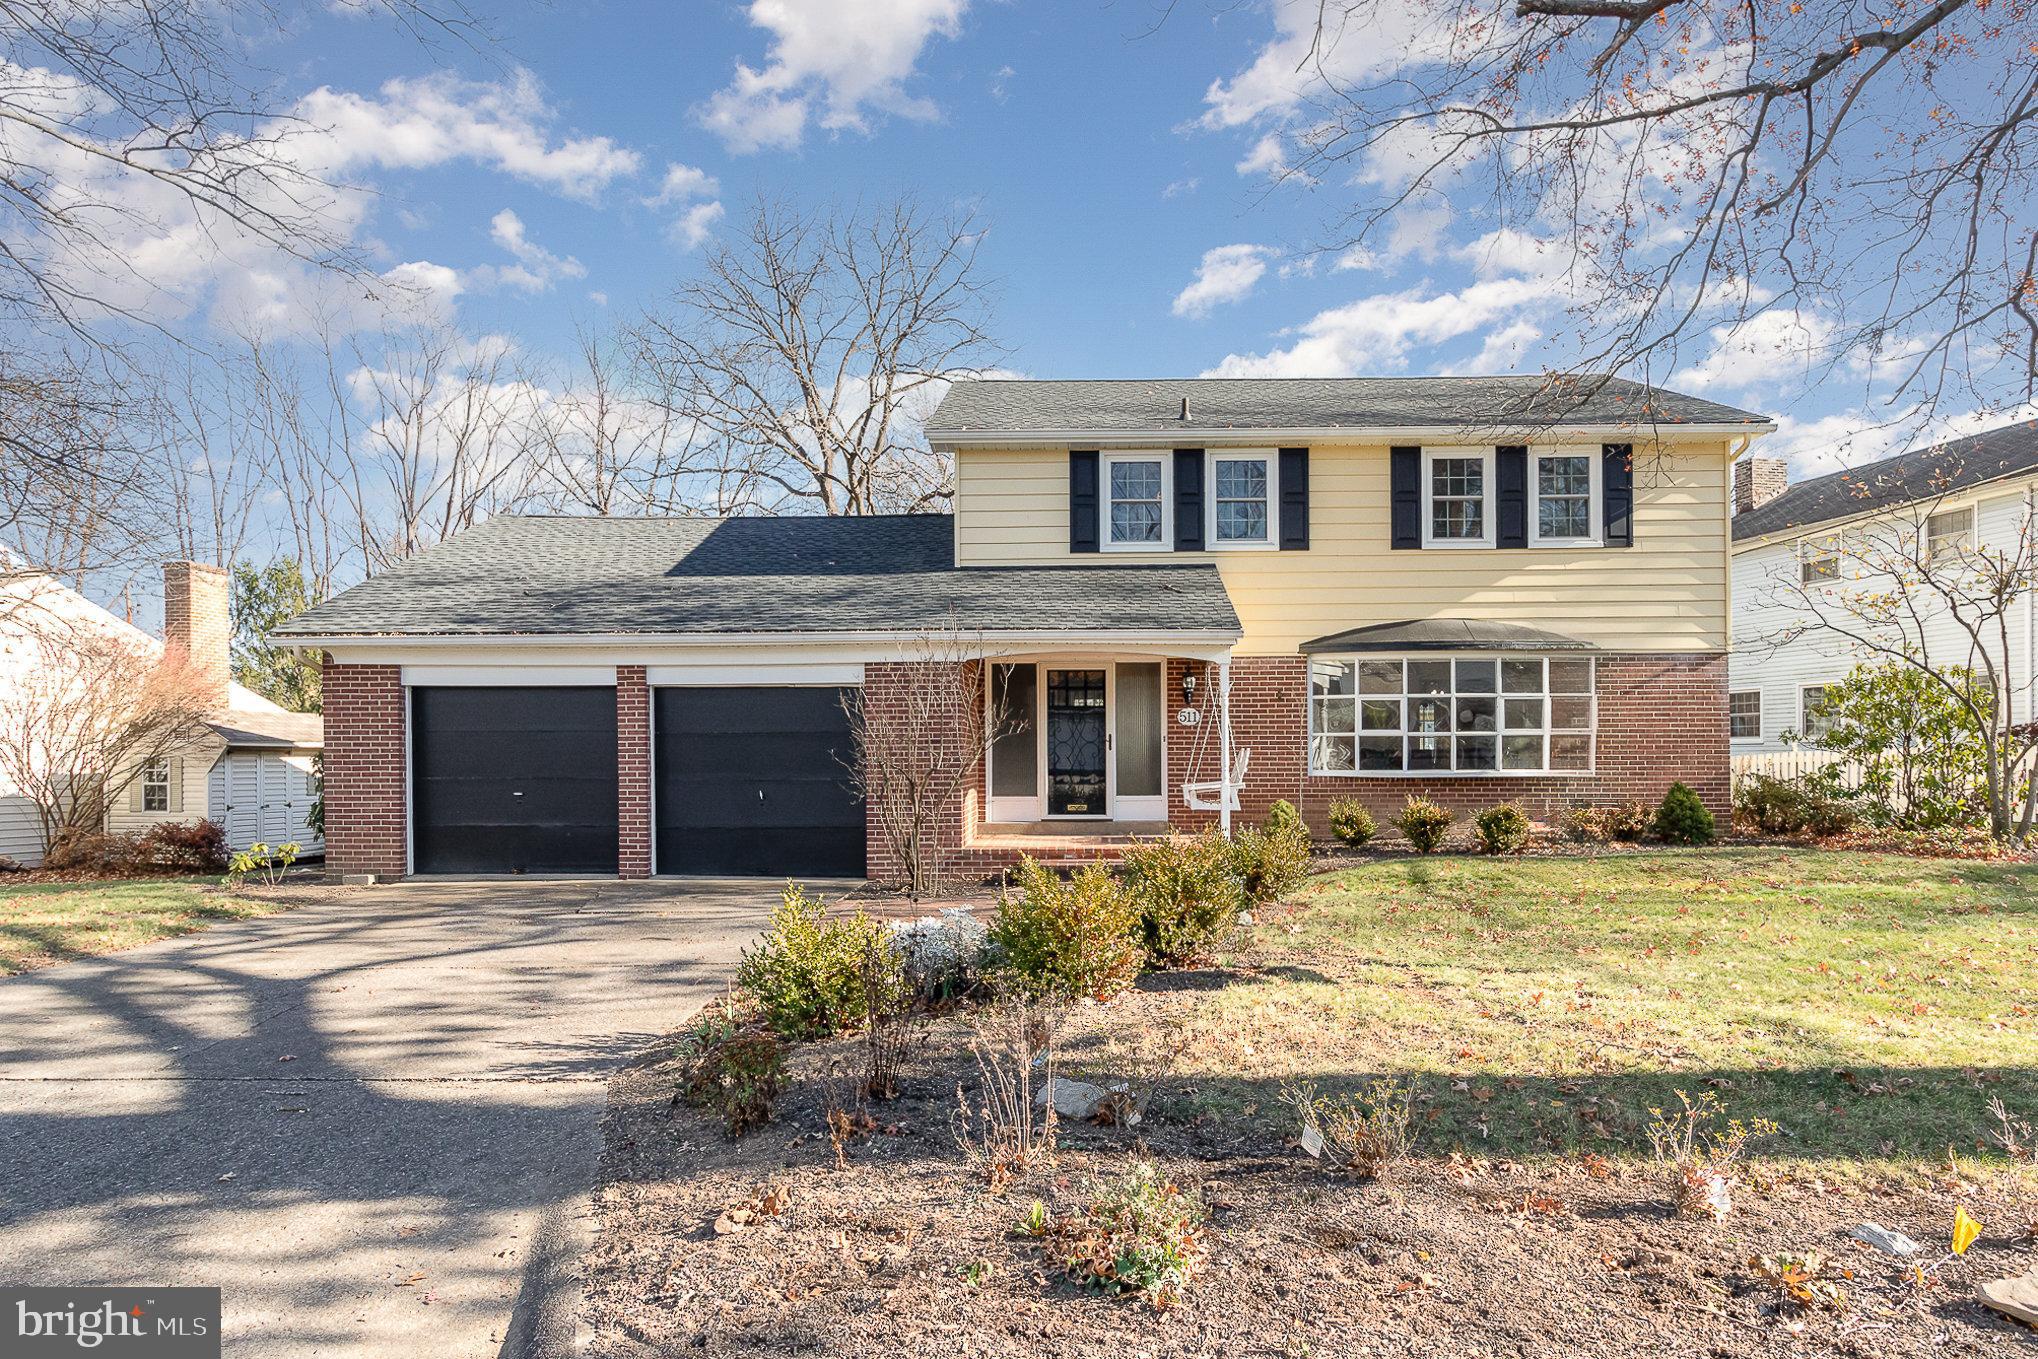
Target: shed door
752	780
513	780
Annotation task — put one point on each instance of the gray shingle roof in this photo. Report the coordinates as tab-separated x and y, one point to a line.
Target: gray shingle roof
994	405
1924	475
288	731
880	573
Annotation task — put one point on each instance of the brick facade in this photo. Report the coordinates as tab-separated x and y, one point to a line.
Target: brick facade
364	769
633	772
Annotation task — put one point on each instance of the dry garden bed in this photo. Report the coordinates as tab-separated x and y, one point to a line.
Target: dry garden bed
1528	1015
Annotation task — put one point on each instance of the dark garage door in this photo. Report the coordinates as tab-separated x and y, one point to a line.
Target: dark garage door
751	781
513	780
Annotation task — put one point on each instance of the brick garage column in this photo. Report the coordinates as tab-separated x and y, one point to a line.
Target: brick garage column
633	772
889	700
364	769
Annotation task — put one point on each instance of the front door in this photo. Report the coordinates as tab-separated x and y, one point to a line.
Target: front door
1076	743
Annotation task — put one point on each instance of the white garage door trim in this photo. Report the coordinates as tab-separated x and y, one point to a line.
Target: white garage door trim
519	676
832	675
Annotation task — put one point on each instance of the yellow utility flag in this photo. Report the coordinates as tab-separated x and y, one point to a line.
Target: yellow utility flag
1965	1230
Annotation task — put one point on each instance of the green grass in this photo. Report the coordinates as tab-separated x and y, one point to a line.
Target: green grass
1870	1004
52	922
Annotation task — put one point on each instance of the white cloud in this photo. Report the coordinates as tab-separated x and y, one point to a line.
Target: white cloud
1357	43
437	119
695	224
1377	333
837	63
1267	157
1180	187
1228	273
1768	349
536	268
1001	79
682	182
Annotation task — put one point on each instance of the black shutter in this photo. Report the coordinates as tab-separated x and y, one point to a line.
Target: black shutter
1294	499
1405	496
1188	500
1510	495
1082	500
1617	489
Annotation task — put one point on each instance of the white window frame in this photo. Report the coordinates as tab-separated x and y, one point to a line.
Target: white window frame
1594	512
1104	500
1272	459
1500	731
1814	550
1429	460
155	778
1804	726
1973	512
1733	694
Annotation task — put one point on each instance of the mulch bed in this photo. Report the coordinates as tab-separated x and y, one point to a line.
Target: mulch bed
898	1251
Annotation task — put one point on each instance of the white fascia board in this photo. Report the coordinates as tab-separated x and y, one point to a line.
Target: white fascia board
819	674
560	651
949	441
525	676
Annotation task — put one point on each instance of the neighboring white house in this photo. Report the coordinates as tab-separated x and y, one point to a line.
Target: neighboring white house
252	771
1974	492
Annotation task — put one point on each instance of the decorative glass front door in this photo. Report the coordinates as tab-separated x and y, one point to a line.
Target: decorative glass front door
1076	743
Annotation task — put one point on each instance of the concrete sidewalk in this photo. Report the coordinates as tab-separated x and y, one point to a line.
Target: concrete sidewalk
373	1121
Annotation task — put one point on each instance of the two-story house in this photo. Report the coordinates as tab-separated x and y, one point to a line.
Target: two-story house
1476	589
1825	538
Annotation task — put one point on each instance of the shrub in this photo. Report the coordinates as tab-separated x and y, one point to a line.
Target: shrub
1503	829
806	974
1683	819
1351	823
76	851
1272	859
271	863
1067	938
732	1069
1600	825
1007	1131
1777	806
198	845
943	954
1141	1235
1424	823
889	1007
1188	895
1364	1134
1699	1145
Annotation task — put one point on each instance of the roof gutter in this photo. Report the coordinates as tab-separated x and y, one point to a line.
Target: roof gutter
1009	636
945	440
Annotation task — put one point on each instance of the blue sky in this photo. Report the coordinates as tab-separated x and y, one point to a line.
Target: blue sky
1126	161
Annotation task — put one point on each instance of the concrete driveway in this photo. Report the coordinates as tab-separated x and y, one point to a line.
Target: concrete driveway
372	1121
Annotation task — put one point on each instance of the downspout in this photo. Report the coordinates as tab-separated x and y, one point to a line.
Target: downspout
1225	790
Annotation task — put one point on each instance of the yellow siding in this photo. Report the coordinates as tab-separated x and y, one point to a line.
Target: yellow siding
1666	593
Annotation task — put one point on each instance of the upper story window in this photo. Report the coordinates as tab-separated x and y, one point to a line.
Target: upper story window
1744	715
1458	486
1818	560
1813	720
156	786
1949	531
1565	484
1451	715
1136	486
1241	500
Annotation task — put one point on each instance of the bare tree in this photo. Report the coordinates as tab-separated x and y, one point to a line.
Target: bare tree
1847	183
807	352
78	725
604	449
917	750
1949	612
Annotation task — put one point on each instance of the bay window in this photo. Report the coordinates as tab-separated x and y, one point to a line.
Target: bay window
1427	715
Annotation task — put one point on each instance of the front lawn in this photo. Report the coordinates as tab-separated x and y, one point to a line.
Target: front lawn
52	922
1871	1005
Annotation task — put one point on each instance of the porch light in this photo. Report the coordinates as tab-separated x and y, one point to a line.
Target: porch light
1188	686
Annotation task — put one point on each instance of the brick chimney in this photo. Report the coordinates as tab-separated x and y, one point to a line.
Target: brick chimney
196	623
1757	481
